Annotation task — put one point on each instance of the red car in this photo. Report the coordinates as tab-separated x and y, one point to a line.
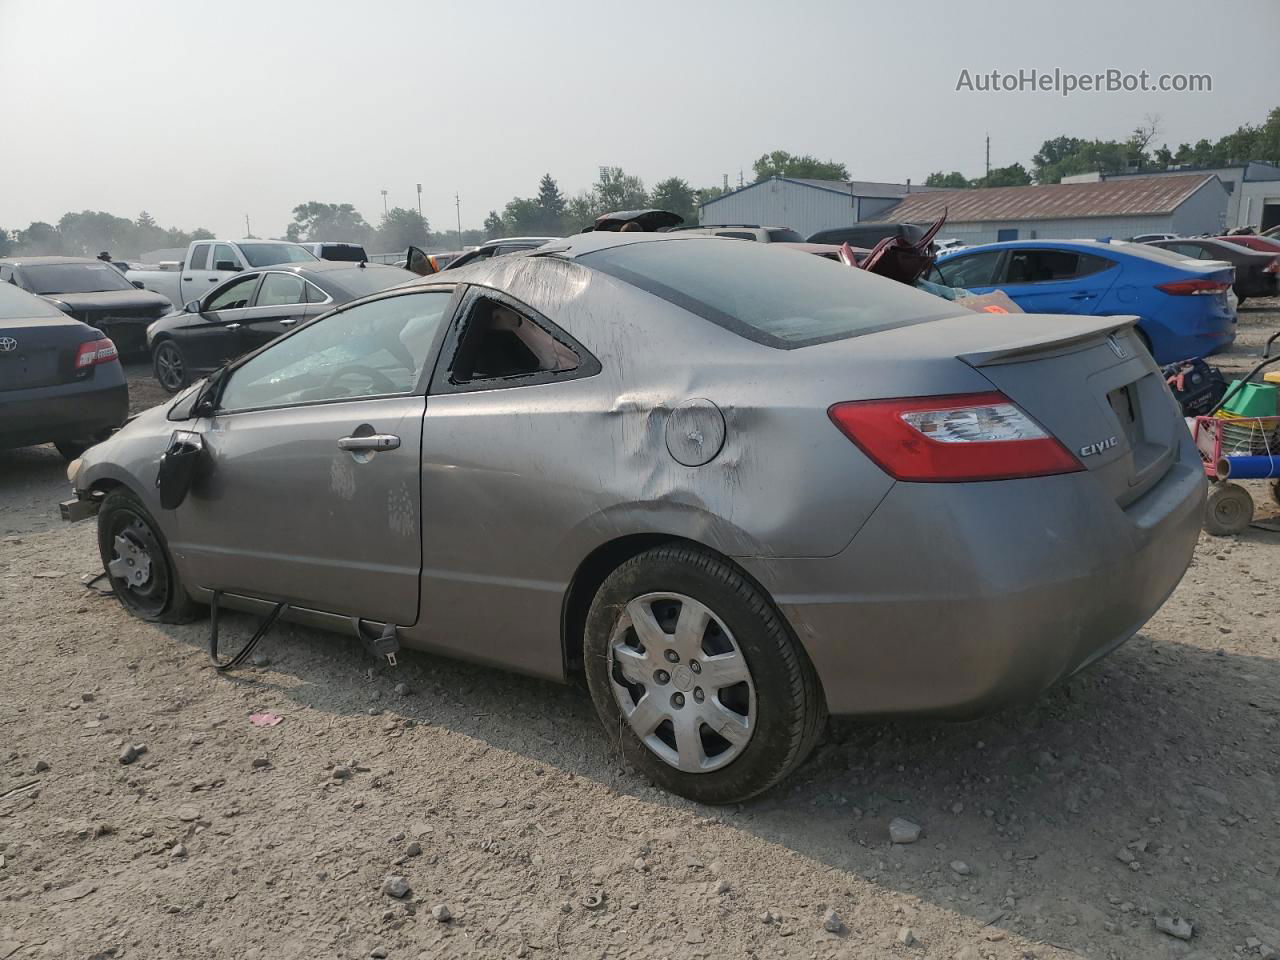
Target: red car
1254	242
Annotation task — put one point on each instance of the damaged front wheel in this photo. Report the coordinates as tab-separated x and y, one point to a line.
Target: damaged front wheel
138	564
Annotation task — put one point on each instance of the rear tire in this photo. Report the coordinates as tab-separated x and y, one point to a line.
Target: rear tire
73	449
736	666
138	563
1229	509
169	365
1275	491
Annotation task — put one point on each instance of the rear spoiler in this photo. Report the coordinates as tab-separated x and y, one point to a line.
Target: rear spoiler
1069	334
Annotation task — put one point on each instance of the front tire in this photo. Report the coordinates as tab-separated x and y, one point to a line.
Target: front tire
138	564
697	678
169	364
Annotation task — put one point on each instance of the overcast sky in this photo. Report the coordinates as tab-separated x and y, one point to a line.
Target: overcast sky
201	113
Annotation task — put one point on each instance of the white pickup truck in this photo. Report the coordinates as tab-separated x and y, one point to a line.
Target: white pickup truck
209	262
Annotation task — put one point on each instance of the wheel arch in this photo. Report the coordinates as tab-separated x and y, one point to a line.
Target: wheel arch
602	561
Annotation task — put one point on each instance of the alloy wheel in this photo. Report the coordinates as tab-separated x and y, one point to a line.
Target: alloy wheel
682	682
170	370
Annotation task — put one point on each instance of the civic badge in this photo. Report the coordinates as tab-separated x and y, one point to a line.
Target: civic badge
1117	347
8	344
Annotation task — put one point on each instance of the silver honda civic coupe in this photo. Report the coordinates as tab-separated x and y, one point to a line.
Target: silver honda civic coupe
737	489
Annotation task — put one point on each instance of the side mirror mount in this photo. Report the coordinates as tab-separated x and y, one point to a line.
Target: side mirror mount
138	284
226	265
416	261
191	306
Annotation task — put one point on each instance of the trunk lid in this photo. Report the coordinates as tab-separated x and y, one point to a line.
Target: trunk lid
41	351
1092	384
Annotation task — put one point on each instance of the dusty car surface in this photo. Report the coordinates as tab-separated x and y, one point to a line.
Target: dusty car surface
60	379
737	489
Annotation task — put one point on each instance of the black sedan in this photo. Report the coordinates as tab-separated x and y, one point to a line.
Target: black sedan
252	309
1256	273
60	379
92	291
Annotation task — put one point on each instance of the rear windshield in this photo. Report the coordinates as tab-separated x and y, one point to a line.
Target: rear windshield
342	252
266	254
371	278
771	296
17	304
784	235
73	278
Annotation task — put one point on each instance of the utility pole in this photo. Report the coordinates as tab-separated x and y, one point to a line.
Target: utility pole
726	183
457	204
419	199
247	232
384	204
988	156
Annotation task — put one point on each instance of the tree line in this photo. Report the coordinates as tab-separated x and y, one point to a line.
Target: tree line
1065	156
549	212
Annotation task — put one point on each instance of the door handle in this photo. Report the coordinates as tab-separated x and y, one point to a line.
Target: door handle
1082	296
233	326
289	322
188	278
377	441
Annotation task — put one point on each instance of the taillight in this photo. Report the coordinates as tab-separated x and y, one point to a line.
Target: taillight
95	352
948	439
1194	288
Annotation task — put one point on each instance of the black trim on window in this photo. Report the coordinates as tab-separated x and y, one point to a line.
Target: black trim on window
442	381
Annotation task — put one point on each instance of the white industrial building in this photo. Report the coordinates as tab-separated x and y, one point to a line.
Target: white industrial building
1253	191
806	206
1115	208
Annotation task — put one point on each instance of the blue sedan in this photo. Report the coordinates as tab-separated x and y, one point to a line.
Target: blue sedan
1184	306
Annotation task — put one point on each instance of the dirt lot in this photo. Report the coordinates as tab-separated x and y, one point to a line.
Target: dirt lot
1145	788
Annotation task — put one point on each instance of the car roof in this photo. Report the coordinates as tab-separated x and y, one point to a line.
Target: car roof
47	261
497	240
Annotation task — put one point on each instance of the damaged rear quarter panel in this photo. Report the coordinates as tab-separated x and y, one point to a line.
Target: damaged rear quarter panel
521	483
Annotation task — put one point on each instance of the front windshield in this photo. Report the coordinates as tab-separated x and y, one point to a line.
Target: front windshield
49	278
268	254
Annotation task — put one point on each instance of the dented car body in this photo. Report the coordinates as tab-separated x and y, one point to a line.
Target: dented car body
567	413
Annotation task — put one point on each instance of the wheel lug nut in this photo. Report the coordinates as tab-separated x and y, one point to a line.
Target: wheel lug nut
677	700
695	666
673	656
661	676
698	695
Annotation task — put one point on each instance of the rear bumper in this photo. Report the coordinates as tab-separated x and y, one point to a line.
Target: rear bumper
66	411
959	599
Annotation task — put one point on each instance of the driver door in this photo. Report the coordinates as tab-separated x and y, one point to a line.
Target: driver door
310	492
213	336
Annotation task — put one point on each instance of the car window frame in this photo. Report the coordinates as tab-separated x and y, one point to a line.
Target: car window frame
420	388
235	256
256	278
280	306
442	381
997	273
208	248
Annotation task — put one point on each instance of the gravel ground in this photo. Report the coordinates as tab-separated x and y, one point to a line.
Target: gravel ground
1141	792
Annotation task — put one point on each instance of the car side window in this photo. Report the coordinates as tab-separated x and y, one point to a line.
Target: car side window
199	259
281	290
222	253
236	294
1041	266
374	349
974	270
315	294
501	342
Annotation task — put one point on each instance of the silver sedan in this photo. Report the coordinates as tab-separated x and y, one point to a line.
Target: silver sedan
735	488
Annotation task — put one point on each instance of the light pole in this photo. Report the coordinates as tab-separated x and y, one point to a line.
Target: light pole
384	204
419	199
457	203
